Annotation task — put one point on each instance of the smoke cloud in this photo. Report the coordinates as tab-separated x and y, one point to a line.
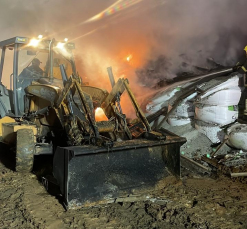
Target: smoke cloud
146	30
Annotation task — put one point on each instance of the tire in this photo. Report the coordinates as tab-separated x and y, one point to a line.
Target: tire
24	150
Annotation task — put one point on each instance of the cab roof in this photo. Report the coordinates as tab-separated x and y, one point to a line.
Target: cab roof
10	43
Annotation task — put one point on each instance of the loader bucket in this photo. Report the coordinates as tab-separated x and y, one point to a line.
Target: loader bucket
91	175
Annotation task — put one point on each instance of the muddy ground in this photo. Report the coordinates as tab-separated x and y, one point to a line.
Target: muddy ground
192	202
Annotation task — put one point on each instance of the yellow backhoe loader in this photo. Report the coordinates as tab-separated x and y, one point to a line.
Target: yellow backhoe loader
46	109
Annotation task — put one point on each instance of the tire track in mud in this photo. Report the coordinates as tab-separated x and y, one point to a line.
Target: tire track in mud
39	206
190	203
25	203
10	200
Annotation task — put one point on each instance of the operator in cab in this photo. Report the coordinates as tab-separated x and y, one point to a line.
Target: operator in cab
32	71
30	74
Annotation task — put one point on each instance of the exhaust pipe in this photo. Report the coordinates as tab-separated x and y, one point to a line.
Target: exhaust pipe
51	58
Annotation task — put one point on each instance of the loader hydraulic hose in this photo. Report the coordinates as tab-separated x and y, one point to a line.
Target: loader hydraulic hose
137	108
65	79
112	80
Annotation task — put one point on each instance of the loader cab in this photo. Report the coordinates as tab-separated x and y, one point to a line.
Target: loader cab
17	72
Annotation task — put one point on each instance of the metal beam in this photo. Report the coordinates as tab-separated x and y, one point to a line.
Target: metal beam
15	75
2	62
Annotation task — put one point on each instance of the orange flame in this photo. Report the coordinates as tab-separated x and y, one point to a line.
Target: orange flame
129	58
100	115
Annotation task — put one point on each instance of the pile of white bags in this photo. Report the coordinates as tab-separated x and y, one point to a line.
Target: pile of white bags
161	99
237	136
217	106
184	112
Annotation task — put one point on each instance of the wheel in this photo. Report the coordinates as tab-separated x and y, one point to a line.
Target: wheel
24	150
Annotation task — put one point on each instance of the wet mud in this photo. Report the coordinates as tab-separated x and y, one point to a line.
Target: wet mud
192	202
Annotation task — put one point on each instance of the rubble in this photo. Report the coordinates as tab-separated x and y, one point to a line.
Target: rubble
163	72
206	113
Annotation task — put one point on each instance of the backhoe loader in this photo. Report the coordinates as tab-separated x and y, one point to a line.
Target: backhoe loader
50	111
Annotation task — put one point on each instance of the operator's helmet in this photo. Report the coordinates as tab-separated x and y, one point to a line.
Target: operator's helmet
245	48
36	61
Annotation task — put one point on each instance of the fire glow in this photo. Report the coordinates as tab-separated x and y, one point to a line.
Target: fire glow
129	58
100	115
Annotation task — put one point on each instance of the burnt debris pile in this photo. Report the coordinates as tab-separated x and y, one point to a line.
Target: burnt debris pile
163	71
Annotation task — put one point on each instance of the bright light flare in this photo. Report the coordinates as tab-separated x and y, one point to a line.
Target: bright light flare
60	45
34	42
100	115
40	36
61	48
66	39
114	8
129	58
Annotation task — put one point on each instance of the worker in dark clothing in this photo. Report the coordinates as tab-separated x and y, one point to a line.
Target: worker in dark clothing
241	68
32	71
